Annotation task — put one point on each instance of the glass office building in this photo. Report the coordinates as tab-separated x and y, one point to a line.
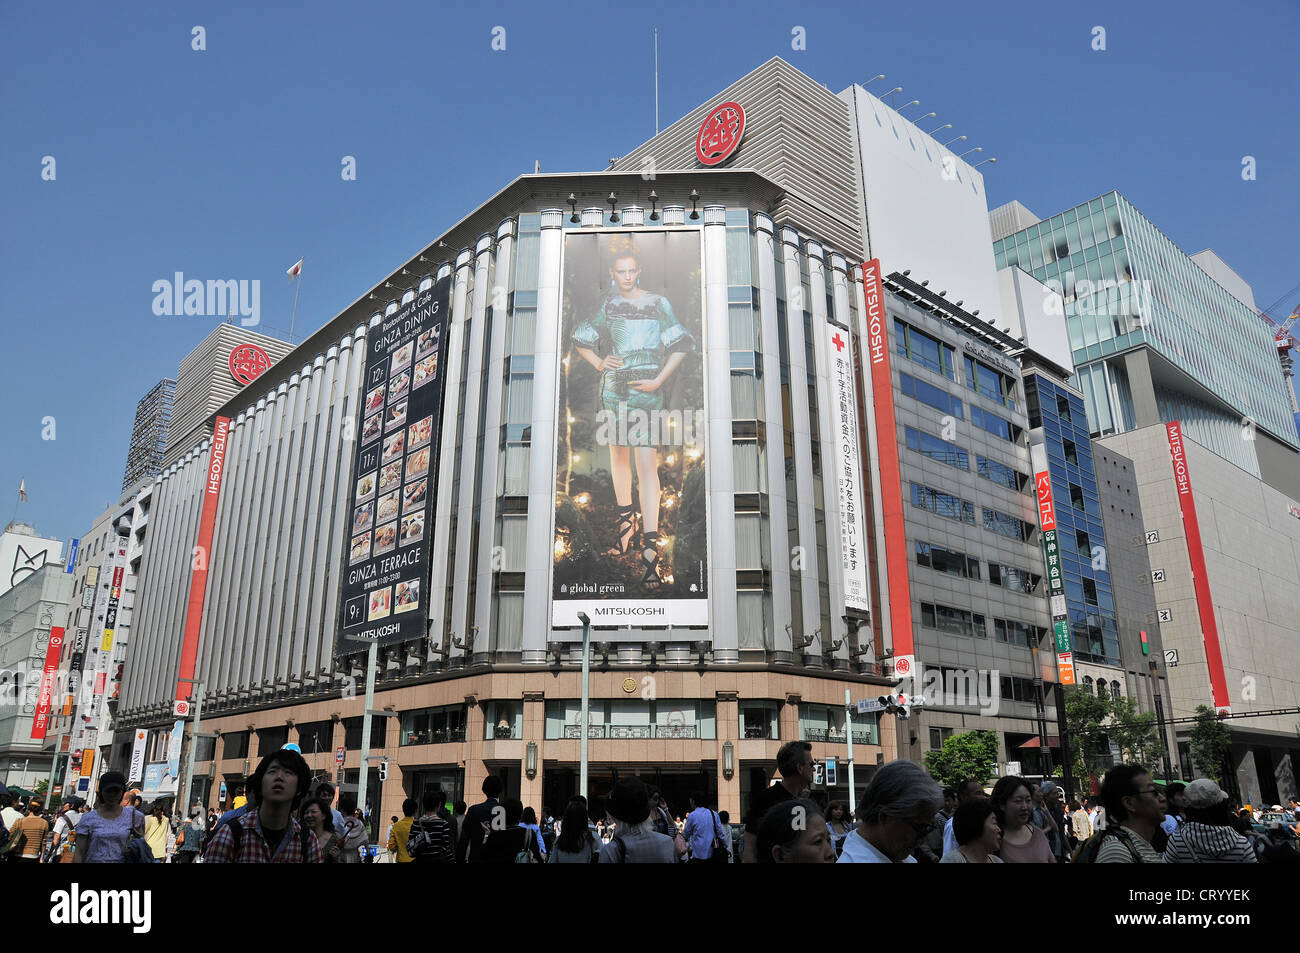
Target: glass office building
1125	284
1059	412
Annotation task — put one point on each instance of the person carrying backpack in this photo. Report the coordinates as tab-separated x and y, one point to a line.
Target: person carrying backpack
431	839
270	834
508	841
1134	808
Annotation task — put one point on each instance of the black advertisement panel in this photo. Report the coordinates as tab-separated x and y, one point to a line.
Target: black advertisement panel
384	596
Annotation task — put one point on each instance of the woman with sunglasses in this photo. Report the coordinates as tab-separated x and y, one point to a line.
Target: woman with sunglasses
103	834
1022	842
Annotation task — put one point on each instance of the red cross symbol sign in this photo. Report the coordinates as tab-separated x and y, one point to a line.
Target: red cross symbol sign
838	341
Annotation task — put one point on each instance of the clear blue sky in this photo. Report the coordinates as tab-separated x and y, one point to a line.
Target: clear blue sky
225	163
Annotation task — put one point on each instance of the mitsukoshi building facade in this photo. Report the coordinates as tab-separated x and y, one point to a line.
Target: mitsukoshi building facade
638	396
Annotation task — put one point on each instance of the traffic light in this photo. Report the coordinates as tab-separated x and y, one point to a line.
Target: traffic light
904	707
383	771
830	772
819	774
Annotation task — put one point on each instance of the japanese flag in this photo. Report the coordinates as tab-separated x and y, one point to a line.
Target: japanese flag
22	491
296	270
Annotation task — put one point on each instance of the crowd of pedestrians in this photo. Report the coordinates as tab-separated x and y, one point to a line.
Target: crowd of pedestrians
905	816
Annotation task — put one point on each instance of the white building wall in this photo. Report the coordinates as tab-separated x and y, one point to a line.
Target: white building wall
925	208
1251	545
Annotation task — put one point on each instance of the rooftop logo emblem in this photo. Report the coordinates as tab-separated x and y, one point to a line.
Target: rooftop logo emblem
720	133
247	362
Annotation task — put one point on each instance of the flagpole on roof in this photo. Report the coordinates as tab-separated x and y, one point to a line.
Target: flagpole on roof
295	273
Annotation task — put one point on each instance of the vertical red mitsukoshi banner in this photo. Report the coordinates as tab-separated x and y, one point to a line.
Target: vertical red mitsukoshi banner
891	485
1200	577
203	547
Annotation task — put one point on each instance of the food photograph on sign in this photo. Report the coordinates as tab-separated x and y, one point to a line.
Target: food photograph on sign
630	495
406	597
426	370
413	495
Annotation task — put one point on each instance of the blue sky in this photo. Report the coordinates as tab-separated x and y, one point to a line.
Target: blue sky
226	163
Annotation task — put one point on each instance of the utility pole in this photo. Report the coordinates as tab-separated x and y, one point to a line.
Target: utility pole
586	701
184	802
848	730
372	660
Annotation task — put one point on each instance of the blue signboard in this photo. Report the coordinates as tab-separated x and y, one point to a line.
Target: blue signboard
72	555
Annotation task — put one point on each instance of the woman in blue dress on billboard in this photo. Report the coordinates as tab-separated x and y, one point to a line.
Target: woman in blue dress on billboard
645	345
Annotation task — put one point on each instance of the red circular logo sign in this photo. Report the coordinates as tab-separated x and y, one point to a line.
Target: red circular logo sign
720	133
247	362
902	667
182	708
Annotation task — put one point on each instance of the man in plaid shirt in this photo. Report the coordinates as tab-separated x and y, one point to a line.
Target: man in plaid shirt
271	834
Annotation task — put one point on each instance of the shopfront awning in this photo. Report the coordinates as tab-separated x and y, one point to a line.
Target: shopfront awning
1052	742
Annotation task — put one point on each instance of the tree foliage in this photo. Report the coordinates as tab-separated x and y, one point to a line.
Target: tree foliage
1210	739
971	754
1084	714
1136	733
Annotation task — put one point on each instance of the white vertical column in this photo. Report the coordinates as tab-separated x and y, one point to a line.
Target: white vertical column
299	528
338	489
541	454
304	571
803	476
720	471
487	483
251	533
318	648
466	529
439	619
826	437
288	524
774	420
264	654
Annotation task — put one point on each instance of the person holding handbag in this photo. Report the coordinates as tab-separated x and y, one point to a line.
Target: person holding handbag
105	835
704	832
354	836
189	840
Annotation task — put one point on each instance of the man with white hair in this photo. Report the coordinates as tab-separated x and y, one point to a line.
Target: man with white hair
896	812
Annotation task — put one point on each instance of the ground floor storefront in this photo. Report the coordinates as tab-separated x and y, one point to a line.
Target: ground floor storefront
716	731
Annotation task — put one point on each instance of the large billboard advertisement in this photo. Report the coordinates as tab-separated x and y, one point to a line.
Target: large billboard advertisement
631	527
384	596
848	480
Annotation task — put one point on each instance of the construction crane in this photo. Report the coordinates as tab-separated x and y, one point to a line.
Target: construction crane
1284	342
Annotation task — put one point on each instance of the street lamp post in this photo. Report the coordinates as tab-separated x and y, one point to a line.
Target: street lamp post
586	701
848	726
184	802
